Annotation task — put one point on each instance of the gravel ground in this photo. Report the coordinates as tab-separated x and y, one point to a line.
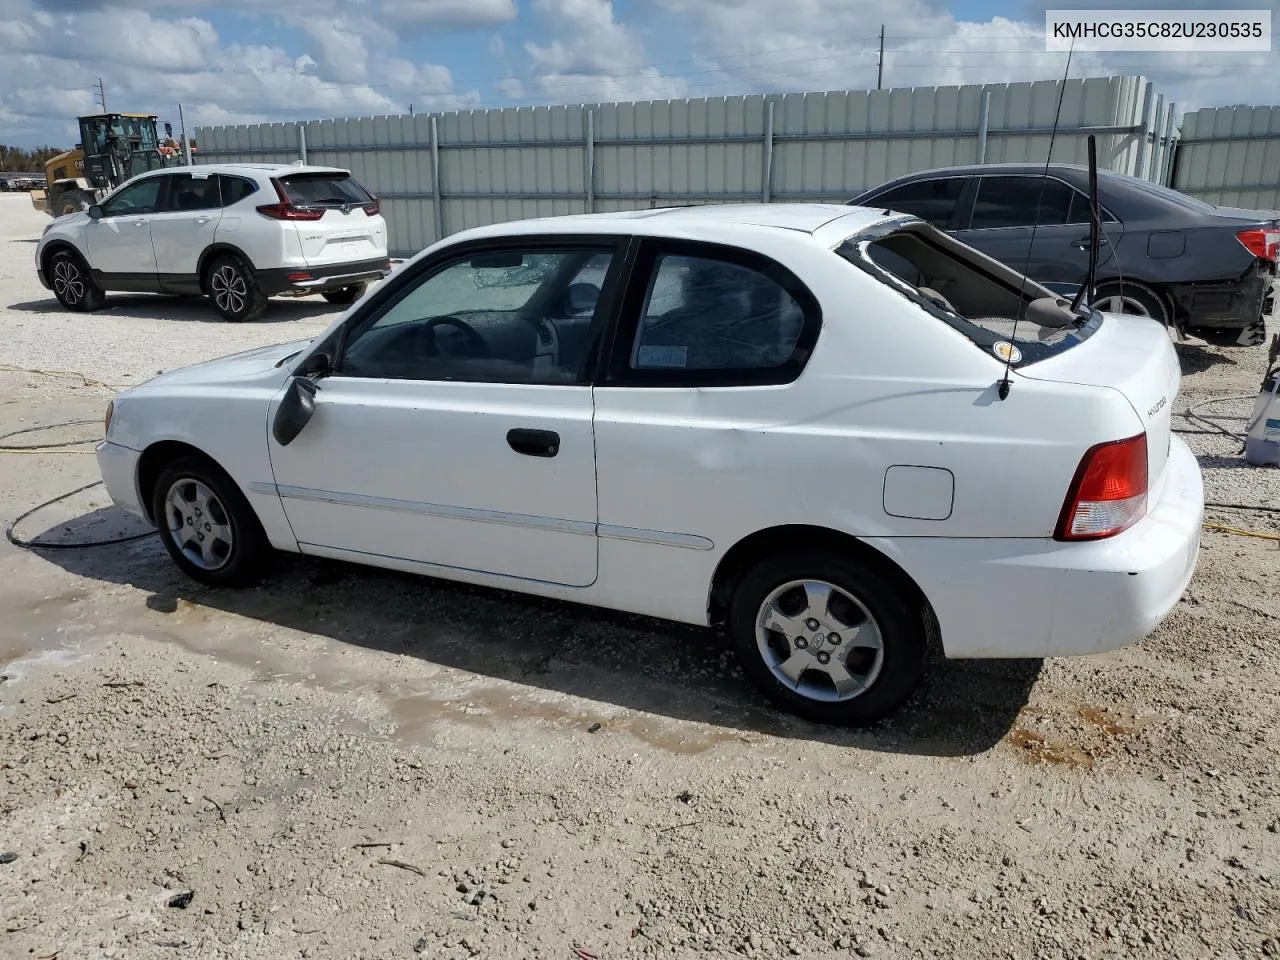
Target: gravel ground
345	763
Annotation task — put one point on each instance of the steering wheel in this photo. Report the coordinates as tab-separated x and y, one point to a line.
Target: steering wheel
477	347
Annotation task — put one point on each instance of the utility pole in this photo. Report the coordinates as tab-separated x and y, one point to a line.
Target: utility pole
880	62
102	95
411	109
186	144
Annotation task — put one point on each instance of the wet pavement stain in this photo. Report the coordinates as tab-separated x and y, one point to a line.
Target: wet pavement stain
1034	748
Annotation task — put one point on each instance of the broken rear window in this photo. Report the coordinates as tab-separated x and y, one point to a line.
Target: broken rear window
970	293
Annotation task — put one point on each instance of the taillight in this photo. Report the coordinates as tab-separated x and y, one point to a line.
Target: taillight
372	208
1262	243
1108	493
285	210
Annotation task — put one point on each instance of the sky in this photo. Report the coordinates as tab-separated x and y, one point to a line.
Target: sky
250	61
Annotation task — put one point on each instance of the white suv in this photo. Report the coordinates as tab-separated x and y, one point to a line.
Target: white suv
238	233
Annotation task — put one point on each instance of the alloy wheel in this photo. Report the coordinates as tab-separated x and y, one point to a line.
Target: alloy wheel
230	291
1117	303
68	282
198	524
819	640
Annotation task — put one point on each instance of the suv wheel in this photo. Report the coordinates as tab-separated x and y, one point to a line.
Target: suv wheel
72	283
233	289
345	295
827	636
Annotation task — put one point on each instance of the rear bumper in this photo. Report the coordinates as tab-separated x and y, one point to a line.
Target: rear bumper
1042	598
119	468
331	276
1227	304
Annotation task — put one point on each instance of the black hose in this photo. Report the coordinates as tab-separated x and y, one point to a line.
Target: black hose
1243	506
46	446
35	544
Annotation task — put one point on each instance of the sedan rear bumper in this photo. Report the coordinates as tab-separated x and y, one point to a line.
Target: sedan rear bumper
1043	598
1226	304
332	276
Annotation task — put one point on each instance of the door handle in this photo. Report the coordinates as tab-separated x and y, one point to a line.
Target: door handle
1083	243
141	223
203	219
534	443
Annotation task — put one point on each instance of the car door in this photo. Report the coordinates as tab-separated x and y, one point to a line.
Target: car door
1004	217
119	241
707	340
457	428
184	225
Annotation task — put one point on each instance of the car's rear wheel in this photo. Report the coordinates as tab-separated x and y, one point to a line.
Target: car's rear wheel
1132	299
345	295
827	636
233	289
207	525
73	284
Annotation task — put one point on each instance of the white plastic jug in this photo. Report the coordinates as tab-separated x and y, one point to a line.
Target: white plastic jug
1262	436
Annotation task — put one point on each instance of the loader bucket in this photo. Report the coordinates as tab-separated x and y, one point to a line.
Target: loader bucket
40	200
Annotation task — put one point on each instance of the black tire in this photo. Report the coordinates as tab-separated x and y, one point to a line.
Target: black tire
72	201
234	290
344	296
1132	299
212	499
73	284
885	678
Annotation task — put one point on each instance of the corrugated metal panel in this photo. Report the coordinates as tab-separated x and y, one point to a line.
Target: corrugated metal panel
1231	156
531	161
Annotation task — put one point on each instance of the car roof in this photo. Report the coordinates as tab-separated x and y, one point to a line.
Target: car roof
251	168
704	221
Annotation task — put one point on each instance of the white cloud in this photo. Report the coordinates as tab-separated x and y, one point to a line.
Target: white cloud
511	87
598	58
457	13
496	47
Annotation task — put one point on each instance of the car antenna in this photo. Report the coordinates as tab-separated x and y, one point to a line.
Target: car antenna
1003	388
1095	228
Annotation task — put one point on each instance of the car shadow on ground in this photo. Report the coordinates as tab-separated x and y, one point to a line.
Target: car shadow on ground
672	670
153	306
1197	358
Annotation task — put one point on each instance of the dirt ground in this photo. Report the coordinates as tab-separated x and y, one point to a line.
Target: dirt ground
347	764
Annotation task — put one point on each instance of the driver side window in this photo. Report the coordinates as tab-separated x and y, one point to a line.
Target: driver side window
141	197
501	316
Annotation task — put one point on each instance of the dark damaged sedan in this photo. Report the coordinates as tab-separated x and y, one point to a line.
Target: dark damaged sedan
1164	254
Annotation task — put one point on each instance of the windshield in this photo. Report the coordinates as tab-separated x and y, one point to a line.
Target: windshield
1172	196
986	302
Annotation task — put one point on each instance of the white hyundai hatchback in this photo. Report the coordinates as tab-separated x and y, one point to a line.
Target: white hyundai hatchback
815	425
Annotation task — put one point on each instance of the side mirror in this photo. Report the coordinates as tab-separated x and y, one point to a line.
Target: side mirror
295	410
168	130
95	211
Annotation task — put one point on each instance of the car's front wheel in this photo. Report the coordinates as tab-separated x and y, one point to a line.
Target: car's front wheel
73	284
828	636
345	295
207	525
234	291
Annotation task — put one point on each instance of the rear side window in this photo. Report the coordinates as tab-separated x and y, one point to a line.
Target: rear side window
933	201
708	315
323	189
934	272
235	189
1012	202
192	193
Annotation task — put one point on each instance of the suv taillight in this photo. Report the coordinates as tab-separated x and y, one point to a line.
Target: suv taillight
372	208
285	209
1262	243
1108	493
